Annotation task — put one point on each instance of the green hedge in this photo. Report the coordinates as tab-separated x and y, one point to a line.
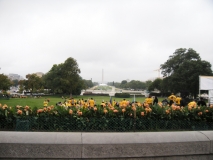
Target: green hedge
122	95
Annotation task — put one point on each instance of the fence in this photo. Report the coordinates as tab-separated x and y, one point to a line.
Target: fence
82	124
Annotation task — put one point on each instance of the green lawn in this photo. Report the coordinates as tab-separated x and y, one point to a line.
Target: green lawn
38	102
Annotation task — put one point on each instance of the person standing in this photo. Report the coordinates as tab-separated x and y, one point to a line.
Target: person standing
201	102
155	102
45	103
149	101
91	103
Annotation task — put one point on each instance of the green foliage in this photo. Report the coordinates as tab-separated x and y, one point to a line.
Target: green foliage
134	84
5	82
122	95
156	84
33	83
64	78
182	71
87	84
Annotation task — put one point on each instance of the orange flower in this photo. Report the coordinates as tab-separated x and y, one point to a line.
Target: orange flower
19	112
207	110
4	106
45	109
27	107
167	111
142	113
80	113
70	111
177	107
211	106
18	106
95	108
200	113
123	110
148	109
124	106
49	108
115	111
105	111
189	108
134	108
40	110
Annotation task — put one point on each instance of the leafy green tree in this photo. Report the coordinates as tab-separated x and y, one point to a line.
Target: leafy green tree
5	82
124	84
64	78
156	84
21	86
95	83
148	83
136	85
33	82
87	84
182	70
15	82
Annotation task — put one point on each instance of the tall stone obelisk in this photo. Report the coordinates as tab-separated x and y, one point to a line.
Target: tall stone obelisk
102	76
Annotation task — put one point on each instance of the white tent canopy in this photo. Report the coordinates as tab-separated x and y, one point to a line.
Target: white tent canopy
206	83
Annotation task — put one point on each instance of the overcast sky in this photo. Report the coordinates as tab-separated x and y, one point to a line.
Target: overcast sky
127	39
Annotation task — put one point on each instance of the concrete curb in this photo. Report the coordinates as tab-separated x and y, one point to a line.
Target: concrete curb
75	145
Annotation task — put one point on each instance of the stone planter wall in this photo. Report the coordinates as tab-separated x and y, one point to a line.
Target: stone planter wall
80	145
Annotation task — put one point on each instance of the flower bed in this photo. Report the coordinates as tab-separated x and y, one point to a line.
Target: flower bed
131	117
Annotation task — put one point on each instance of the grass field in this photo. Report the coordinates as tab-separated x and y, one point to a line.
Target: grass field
38	102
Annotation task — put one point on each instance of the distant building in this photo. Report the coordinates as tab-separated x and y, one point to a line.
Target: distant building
39	74
13	76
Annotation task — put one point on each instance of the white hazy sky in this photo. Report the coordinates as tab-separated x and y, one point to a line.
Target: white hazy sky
128	39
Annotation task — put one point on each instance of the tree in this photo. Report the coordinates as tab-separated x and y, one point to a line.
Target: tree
136	85
182	70
5	82
148	83
156	84
33	82
15	82
87	84
64	78
124	84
